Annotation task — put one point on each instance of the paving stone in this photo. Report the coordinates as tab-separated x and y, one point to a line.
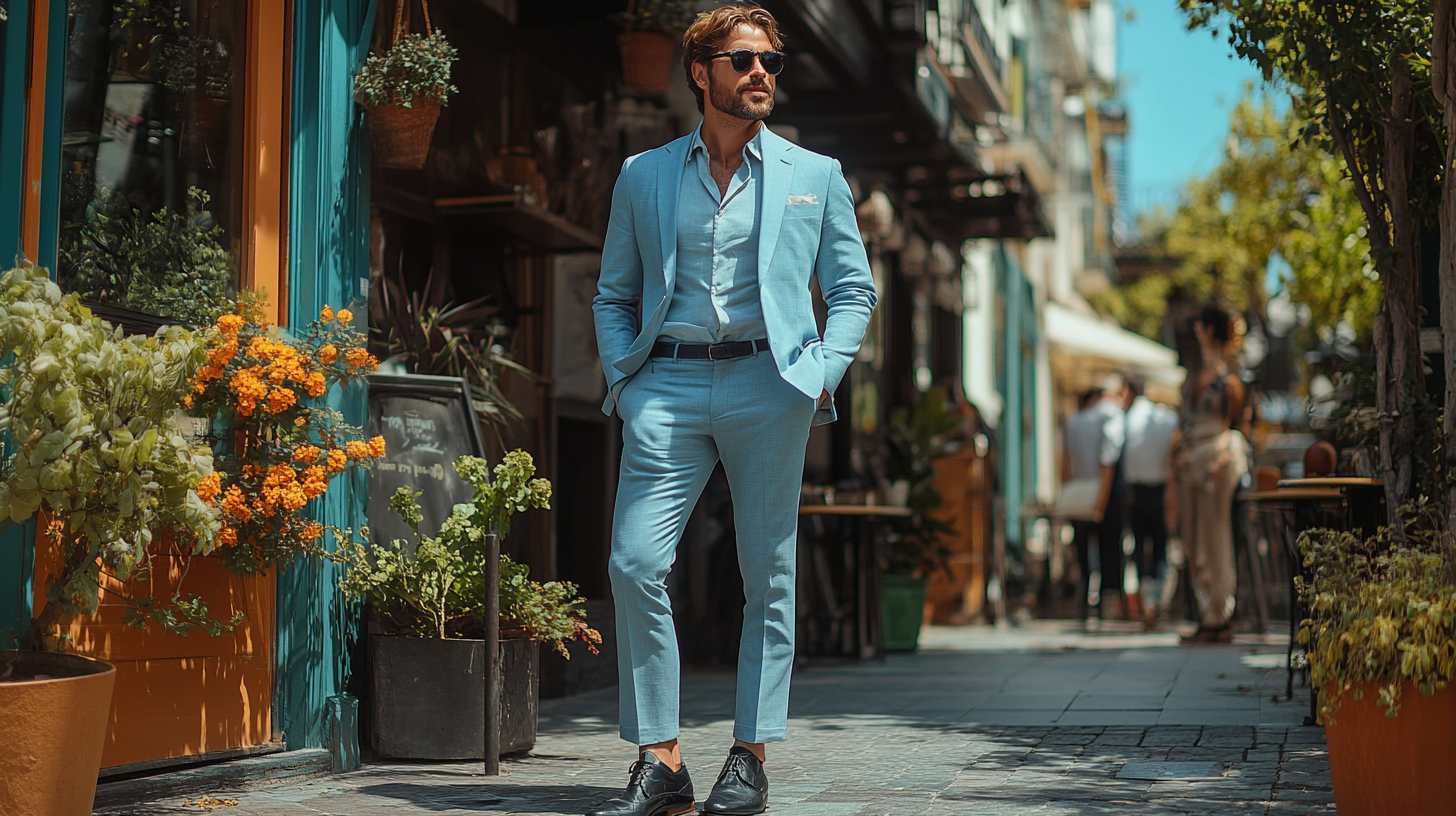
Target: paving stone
951	732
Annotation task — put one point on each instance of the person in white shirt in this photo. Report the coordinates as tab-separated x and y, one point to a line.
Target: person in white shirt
1093	449
1147	464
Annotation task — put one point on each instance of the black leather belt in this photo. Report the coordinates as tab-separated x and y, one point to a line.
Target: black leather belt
717	351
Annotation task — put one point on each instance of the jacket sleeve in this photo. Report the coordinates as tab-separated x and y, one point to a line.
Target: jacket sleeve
619	286
843	270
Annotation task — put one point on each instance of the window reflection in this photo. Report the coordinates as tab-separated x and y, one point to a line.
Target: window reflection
150	194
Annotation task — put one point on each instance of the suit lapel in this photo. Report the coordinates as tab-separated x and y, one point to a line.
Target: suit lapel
669	180
778	173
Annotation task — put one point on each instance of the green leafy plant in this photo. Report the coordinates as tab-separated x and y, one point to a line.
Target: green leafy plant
918	438
170	264
436	585
670	17
428	334
1379	614
93	444
416	67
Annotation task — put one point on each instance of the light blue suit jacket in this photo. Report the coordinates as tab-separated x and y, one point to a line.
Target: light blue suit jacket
816	236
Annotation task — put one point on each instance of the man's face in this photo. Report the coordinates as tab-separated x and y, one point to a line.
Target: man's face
747	96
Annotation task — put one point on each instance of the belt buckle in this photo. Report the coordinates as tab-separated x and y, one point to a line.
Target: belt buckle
712	346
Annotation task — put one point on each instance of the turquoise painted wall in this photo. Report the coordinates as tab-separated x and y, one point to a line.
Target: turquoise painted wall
328	259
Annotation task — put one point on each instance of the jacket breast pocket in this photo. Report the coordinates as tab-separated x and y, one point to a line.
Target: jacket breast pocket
804	212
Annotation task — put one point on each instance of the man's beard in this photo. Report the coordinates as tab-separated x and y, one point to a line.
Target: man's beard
729	100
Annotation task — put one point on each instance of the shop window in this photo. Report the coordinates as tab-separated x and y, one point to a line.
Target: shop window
151	183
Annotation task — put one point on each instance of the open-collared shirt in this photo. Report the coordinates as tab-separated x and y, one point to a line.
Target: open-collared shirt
715	292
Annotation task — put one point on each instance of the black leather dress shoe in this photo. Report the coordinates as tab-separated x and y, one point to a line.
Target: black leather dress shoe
653	789
742	787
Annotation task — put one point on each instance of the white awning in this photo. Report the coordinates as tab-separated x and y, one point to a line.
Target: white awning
1073	334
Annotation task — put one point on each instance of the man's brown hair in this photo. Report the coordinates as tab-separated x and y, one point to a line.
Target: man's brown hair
707	34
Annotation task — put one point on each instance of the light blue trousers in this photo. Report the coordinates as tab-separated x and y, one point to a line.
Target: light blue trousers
680	418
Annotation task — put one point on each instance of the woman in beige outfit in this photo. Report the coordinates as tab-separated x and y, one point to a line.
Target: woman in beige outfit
1212	457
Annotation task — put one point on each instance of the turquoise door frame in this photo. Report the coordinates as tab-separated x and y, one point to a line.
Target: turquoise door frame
1018	367
328	263
17	541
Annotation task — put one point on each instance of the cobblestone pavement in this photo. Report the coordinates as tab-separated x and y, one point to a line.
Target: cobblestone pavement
1038	720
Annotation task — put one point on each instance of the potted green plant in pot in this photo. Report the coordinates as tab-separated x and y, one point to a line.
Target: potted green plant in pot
403	89
909	548
427	678
651	29
93	447
1379	638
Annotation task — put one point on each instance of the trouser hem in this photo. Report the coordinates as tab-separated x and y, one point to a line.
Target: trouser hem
649	736
750	735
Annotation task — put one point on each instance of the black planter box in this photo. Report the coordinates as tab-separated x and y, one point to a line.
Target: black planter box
428	697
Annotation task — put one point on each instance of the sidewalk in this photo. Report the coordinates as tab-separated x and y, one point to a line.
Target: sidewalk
1040	719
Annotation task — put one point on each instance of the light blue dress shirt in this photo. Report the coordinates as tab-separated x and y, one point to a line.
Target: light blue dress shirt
715	294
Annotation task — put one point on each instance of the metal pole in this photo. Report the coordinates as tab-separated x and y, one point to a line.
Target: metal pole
492	655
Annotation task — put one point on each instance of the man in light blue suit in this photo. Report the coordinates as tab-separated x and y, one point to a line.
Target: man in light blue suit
705	324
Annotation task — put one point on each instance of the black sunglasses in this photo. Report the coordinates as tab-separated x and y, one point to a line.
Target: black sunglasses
772	61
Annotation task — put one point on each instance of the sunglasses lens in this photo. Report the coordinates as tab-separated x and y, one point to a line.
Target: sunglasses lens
773	61
742	60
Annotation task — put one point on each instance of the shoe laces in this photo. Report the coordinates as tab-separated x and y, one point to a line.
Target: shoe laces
737	763
637	776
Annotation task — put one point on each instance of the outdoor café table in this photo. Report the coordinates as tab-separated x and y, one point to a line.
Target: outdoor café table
869	631
1364	499
1287	512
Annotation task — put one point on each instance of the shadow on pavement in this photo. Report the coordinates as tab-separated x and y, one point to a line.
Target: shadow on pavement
493	797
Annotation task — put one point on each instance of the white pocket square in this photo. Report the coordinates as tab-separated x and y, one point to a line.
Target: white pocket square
804	199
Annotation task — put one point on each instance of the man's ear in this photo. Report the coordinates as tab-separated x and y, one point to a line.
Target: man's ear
700	75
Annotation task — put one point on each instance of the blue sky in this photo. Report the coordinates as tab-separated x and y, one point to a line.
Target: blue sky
1179	86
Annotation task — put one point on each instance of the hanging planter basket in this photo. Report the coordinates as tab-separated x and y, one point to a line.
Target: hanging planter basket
400	137
414	70
646	62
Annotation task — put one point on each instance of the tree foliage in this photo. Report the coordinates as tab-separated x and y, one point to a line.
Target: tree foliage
1273	194
1361	77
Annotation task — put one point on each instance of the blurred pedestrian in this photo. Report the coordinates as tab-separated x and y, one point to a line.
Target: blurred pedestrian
1091	455
1147	465
713	238
1212	457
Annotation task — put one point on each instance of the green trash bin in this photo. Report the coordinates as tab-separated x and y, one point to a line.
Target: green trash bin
902	608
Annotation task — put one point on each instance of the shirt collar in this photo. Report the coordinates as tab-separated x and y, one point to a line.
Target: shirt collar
754	146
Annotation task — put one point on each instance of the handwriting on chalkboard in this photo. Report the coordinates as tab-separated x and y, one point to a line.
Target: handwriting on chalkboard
419	432
436	471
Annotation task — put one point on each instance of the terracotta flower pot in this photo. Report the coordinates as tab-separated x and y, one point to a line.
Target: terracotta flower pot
646	61
400	137
52	731
1384	766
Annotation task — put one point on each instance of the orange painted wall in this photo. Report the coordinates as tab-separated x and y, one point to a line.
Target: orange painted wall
180	696
176	696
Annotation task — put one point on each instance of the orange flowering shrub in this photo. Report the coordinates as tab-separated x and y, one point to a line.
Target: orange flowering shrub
282	449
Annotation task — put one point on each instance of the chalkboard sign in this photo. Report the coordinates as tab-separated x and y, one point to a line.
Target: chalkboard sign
426	423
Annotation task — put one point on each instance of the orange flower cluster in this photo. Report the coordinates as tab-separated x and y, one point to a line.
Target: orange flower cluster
359	358
249	389
209	487
283	452
235	504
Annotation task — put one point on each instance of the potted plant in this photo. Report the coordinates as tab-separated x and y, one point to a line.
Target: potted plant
651	29
1379	638
425	333
910	547
403	89
95	449
427	679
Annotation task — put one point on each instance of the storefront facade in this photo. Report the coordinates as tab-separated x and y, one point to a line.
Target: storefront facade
154	153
